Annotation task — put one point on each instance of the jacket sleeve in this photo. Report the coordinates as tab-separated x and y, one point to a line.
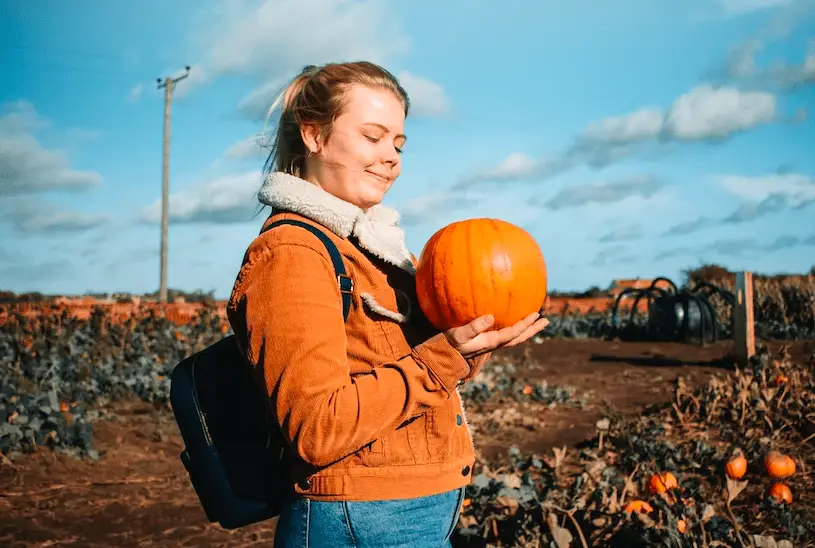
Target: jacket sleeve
291	313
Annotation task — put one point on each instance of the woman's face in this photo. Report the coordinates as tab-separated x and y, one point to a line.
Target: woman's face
359	161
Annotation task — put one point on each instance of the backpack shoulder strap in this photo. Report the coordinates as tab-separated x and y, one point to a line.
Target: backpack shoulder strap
346	284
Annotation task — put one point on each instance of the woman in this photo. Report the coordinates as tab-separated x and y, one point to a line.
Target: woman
380	450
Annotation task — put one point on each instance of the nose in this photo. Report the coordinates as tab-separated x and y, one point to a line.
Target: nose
390	156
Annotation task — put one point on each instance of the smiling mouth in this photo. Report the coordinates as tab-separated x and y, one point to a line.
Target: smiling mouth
380	177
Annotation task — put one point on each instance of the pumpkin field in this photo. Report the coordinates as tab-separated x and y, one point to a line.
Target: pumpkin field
583	438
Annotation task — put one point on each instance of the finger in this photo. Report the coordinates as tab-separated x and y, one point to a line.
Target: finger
496	339
471	330
486	342
510	332
529	332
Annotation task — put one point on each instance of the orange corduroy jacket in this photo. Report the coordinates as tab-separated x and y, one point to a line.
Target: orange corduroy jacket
369	407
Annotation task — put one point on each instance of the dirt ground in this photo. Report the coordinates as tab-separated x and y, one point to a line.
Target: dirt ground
138	494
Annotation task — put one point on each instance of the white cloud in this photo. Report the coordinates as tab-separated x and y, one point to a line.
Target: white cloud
229	199
256	103
21	117
196	77
274	39
762	196
427	98
516	166
247	149
607	255
27	214
706	112
62	221
741	65
795	188
28	167
624	234
430	206
643	124
604	192
689	227
135	93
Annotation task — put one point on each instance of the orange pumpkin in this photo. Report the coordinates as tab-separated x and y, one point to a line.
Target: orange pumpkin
781	493
736	467
662	482
779	465
638	506
480	266
781	379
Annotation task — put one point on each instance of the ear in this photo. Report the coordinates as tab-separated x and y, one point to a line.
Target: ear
312	137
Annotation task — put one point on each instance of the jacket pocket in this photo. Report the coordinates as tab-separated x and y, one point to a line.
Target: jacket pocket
373	454
441	429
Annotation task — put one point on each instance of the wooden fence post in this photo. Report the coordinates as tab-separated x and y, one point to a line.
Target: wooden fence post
744	335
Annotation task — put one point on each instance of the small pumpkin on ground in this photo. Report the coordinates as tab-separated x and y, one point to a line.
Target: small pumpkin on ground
736	466
779	465
480	266
639	507
781	492
660	483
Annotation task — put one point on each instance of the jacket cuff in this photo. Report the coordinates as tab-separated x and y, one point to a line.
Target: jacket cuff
476	364
443	361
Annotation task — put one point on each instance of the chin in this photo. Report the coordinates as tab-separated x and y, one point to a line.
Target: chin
371	197
368	202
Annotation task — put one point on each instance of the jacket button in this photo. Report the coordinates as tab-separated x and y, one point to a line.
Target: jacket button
458	420
304	484
465	470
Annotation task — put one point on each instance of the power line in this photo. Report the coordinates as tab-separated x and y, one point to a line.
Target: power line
168	84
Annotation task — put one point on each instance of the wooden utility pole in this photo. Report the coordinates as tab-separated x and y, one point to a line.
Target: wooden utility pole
743	325
168	84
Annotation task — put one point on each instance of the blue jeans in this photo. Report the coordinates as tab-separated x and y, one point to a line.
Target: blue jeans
425	522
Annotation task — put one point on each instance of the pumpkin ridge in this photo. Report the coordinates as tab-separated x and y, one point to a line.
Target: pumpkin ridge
430	286
442	290
475	304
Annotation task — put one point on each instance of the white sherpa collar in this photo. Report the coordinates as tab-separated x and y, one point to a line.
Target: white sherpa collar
376	229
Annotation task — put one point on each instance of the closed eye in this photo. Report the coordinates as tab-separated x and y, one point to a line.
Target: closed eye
376	140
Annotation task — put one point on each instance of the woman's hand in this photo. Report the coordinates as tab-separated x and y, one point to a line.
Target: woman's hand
473	338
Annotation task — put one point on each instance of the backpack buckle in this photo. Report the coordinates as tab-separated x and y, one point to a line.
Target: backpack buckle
346	283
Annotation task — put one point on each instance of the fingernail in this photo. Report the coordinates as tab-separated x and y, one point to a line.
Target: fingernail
489	319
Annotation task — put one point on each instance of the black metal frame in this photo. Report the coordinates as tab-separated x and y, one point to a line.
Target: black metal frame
674	314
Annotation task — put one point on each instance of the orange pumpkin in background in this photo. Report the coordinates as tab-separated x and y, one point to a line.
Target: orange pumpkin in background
480	266
779	465
660	483
781	492
736	466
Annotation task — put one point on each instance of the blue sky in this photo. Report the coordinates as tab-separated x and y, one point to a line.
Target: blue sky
631	138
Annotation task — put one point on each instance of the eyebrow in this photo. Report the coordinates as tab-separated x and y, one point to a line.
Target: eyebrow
385	129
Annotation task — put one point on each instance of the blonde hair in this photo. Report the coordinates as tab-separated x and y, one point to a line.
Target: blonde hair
316	97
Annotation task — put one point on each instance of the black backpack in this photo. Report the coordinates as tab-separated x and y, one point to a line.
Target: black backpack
233	456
